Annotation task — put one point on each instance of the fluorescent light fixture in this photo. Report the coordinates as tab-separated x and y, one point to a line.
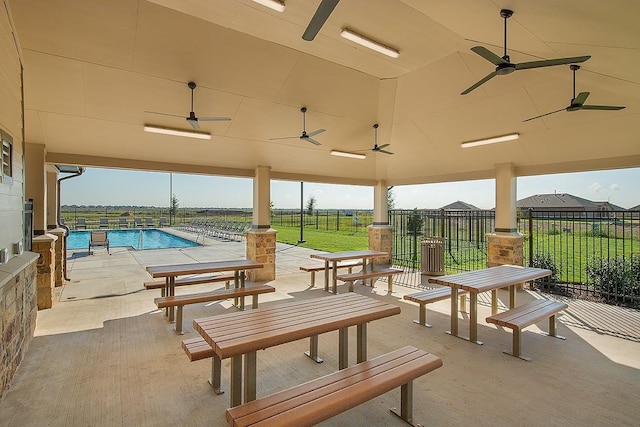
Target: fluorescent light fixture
347	154
177	132
276	5
378	47
494	140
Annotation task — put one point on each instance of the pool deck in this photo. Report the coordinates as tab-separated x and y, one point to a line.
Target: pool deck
105	356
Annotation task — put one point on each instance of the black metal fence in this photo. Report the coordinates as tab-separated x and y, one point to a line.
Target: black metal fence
593	254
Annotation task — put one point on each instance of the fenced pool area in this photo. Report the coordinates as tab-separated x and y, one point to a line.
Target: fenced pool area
137	239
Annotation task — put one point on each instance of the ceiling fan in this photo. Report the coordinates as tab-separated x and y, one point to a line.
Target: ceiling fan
578	102
505	66
377	148
304	136
191	118
322	14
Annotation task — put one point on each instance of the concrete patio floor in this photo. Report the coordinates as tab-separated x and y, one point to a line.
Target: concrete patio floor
104	356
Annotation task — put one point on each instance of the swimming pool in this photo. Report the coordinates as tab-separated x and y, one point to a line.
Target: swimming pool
148	239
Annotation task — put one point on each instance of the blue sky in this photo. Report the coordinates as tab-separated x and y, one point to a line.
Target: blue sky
118	187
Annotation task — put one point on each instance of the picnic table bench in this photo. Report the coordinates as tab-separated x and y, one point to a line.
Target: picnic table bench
433	295
370	274
313	269
525	315
192	280
180	301
320	399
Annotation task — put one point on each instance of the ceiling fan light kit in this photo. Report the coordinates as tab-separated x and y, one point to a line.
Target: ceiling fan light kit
492	140
348	154
176	132
276	5
368	43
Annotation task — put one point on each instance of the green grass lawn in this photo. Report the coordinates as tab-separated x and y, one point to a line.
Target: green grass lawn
322	240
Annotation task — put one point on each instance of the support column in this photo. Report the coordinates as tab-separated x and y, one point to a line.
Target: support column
36	185
505	244
52	199
261	238
59	255
380	230
44	245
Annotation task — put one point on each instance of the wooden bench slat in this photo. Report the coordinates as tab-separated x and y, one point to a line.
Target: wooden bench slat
180	301
433	295
197	349
371	275
196	280
321	399
525	315
320	267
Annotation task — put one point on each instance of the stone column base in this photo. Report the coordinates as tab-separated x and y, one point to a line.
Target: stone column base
505	248
261	247
59	250
380	240
44	245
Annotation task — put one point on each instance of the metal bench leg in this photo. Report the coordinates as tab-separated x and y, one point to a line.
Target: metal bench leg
236	381
422	310
463	303
226	284
350	286
343	348
216	367
362	342
313	349
313	279
552	328
254	303
179	320
406	403
517	345
250	380
390	284
494	301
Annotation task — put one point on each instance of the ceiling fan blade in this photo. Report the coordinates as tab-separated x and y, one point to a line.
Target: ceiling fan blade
580	99
311	140
165	114
322	14
385	152
551	62
601	107
315	132
488	55
214	119
380	147
545	114
194	123
285	137
484	80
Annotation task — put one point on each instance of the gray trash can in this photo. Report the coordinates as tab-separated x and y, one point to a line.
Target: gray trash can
432	255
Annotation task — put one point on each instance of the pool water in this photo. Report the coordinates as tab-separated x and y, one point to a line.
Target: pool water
148	239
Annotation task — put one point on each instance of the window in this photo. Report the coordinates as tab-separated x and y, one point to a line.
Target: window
7	159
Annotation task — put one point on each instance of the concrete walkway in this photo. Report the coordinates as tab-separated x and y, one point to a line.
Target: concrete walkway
105	356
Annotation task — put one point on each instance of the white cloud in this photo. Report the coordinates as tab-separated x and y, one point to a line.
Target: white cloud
614	187
595	187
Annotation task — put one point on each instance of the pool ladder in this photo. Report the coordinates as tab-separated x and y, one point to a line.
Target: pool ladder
141	241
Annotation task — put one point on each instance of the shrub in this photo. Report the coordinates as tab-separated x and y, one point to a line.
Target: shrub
545	260
616	279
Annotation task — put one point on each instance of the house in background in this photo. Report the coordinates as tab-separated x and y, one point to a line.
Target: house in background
460	206
563	202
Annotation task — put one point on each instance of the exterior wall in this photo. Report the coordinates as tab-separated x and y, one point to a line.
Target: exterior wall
18	310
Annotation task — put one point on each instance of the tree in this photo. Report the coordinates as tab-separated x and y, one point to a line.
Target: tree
311	205
173	209
391	201
415	222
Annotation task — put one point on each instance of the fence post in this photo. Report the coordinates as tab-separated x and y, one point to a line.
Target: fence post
530	238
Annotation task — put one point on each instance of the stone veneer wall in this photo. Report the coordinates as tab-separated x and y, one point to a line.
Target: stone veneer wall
45	246
505	248
380	240
261	247
18	308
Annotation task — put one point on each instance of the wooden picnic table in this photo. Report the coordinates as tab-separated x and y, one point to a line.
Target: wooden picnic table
489	279
335	257
170	272
240	334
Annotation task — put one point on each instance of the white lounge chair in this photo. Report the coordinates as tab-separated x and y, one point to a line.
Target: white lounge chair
104	222
99	238
137	222
163	222
123	223
148	222
81	222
